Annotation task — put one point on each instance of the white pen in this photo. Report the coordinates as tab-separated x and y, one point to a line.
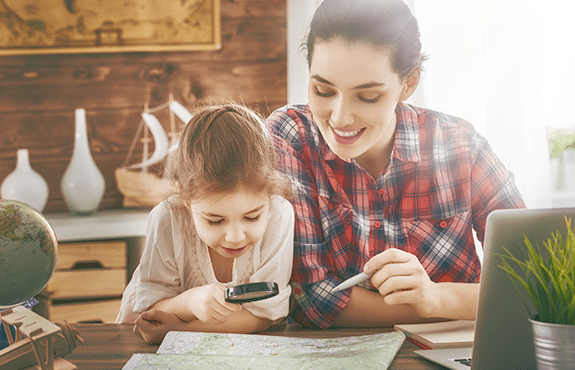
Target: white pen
354	280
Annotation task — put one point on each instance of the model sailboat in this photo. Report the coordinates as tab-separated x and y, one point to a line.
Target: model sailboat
139	186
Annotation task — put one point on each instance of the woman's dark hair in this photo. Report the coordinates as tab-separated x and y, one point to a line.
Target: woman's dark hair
384	23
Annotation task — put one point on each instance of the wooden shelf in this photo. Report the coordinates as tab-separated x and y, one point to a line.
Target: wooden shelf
105	224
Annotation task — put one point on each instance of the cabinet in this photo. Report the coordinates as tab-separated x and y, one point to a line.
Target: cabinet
88	283
97	255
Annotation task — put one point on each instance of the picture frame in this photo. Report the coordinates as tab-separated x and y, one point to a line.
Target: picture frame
93	26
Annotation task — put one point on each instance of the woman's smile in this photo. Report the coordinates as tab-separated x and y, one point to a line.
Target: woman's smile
347	136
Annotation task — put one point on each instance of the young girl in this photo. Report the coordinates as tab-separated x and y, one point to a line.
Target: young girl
228	224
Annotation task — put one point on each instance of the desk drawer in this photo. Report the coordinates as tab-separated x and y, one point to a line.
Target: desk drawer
108	254
88	311
86	283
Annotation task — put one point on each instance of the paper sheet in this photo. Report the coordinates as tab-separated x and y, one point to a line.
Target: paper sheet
190	350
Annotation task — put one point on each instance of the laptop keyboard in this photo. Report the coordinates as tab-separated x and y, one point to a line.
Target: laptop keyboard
463	361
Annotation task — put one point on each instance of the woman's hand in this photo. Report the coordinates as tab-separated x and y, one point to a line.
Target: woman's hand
401	279
209	305
153	325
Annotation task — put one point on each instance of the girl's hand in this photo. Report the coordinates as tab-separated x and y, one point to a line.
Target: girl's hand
402	280
209	305
152	326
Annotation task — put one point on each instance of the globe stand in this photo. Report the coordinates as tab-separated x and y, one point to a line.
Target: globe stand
43	345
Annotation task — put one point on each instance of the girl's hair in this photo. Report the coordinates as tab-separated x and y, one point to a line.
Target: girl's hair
224	147
385	23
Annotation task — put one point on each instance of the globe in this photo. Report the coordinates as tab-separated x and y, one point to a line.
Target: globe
28	252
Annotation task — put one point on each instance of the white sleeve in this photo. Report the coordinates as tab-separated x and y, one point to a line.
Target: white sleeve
276	259
159	275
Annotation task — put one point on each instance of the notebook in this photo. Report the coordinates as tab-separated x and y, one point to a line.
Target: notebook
448	334
503	337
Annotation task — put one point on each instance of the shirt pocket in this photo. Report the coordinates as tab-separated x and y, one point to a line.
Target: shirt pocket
336	225
445	247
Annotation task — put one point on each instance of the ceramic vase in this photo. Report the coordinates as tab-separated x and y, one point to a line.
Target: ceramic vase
24	184
83	184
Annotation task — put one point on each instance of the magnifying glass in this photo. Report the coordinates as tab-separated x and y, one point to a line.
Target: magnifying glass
251	292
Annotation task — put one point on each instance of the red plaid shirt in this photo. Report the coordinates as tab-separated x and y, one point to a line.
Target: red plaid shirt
441	183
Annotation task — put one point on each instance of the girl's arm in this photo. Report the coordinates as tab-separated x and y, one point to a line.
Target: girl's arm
205	303
153	325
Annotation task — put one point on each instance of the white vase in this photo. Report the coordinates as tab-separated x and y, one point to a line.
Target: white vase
83	184
24	184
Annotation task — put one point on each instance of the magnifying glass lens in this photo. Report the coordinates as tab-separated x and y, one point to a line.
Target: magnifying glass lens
251	292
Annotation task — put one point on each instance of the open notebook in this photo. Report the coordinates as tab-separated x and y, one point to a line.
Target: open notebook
448	334
503	337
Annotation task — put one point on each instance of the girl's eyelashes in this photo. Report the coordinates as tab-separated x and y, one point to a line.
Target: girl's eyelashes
219	222
253	219
214	223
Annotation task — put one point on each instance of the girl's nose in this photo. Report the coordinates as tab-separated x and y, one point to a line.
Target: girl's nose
235	234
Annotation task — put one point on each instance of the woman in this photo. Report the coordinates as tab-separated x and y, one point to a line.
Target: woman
382	185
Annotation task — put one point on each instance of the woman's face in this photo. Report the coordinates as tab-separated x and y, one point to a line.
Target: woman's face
353	92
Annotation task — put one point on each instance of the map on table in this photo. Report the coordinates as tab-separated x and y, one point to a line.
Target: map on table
191	350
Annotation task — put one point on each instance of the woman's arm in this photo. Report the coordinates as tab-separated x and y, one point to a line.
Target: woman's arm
367	308
406	294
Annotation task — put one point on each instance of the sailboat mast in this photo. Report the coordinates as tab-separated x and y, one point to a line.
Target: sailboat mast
145	142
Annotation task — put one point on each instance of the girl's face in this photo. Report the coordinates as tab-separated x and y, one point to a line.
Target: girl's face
353	92
231	223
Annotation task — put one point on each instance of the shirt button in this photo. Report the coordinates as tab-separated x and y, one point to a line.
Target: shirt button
377	224
443	224
380	191
297	291
330	206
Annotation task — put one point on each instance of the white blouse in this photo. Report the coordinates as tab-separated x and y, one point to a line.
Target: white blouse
175	259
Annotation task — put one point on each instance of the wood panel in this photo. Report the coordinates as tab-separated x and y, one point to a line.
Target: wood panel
38	93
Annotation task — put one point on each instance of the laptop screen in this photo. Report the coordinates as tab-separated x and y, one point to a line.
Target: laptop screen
503	336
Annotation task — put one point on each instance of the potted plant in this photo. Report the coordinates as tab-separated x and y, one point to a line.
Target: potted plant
547	276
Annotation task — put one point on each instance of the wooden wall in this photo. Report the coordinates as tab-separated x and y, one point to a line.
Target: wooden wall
39	93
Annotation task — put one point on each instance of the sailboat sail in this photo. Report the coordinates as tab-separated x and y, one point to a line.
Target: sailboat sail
163	146
140	187
160	141
182	114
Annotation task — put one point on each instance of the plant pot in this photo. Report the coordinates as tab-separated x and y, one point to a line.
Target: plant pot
554	345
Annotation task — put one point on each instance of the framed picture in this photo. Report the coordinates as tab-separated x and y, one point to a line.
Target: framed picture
97	26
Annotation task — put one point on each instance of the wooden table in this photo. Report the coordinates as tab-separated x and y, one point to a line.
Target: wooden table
110	346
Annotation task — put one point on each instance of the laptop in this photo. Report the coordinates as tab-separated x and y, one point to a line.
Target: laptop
503	337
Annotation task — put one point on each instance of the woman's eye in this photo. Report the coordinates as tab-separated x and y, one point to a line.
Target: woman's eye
323	94
372	98
215	223
253	219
